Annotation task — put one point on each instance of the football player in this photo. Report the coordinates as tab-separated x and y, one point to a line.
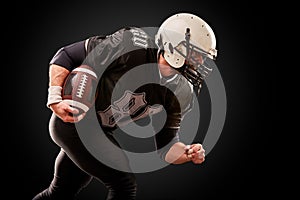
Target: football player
174	63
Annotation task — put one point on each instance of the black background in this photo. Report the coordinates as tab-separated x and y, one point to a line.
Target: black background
237	166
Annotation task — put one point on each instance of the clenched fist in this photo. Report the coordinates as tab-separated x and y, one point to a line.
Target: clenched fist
195	153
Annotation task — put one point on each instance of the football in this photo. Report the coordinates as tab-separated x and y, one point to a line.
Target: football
79	89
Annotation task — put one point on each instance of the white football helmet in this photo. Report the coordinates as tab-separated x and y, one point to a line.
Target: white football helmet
186	42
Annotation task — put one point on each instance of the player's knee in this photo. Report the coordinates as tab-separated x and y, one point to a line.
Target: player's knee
44	195
50	194
123	188
128	186
128	193
54	192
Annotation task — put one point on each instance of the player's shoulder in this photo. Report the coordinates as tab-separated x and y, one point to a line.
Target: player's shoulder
111	39
120	34
132	37
139	37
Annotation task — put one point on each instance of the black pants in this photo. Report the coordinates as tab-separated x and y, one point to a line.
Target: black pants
75	167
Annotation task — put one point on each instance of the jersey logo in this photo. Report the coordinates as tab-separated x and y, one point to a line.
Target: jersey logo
124	110
139	38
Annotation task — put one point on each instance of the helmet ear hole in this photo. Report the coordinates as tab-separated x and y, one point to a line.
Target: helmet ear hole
159	42
171	48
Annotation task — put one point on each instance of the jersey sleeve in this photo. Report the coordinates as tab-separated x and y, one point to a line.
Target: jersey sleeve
168	135
185	95
70	56
179	101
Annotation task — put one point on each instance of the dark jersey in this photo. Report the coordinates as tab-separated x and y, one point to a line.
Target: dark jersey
130	87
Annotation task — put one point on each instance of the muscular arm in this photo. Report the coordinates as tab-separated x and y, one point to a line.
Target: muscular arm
57	75
63	62
176	154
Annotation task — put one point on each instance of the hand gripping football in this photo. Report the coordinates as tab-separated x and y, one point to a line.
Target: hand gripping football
79	89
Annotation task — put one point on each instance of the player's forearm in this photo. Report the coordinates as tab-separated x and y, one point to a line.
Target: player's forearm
57	75
177	154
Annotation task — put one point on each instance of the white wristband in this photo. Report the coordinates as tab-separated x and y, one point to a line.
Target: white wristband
54	95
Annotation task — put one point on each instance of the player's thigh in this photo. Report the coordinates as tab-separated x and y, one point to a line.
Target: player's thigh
113	168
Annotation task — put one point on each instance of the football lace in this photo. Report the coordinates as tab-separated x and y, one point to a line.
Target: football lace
82	86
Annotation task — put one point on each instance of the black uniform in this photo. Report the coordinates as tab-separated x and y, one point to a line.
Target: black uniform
130	89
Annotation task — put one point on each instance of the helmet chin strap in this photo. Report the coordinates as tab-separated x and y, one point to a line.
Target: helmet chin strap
193	76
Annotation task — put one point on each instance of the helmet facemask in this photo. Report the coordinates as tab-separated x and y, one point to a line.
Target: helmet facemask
196	66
